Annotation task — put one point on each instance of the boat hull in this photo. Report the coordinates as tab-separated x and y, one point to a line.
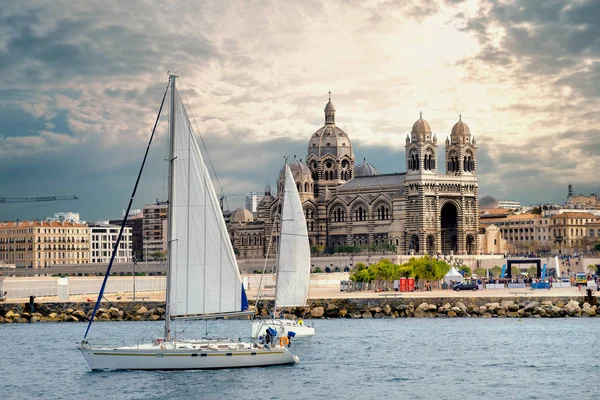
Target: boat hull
171	359
282	326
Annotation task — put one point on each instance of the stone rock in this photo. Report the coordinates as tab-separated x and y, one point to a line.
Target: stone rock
141	311
34	319
486	315
154	317
513	308
355	315
589	312
445	307
70	318
79	314
531	306
572	308
378	315
506	303
160	311
456	310
432	308
376	309
422	307
367	314
69	311
482	309
492	306
422	314
512	314
343	313
501	312
52	316
452	313
394	314
100	310
387	309
10	314
103	316
547	303
317	312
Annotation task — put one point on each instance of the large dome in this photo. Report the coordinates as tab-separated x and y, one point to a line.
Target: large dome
329	140
299	171
365	169
421	126
460	128
241	215
488	202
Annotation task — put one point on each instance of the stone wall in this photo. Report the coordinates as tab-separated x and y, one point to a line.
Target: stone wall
483	307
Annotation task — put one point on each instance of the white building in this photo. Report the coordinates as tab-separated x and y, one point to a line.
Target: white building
103	239
252	202
509	204
65	216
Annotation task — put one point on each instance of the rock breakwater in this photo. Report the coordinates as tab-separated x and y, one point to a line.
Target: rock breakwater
479	307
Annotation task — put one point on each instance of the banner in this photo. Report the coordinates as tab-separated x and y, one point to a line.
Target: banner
503	271
543	272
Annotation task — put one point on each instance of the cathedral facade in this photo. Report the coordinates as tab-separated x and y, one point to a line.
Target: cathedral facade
420	211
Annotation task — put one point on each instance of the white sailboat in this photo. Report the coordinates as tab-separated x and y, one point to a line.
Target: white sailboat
203	280
293	265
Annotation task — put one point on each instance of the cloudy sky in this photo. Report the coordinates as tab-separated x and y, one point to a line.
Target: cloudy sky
82	82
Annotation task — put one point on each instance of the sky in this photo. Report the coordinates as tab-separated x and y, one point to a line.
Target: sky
82	82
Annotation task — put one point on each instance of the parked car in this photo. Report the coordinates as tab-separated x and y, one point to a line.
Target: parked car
472	285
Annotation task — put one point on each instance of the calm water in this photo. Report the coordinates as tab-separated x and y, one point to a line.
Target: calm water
357	359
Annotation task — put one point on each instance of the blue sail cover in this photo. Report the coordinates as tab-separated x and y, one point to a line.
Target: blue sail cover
503	270
544	272
245	305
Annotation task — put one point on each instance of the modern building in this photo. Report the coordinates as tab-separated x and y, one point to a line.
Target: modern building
154	228
252	201
66	216
136	223
103	239
509	204
39	244
420	211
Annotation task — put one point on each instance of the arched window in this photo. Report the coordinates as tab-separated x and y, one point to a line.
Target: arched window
591	232
306	187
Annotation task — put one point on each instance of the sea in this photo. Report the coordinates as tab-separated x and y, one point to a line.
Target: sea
347	359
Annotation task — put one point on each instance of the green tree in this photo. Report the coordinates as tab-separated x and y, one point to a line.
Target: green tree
158	255
406	271
466	270
480	272
597	247
592	268
362	275
515	271
532	271
496	271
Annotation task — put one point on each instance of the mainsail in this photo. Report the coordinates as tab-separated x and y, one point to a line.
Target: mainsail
204	276
293	269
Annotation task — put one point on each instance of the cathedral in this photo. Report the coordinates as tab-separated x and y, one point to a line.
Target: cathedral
420	211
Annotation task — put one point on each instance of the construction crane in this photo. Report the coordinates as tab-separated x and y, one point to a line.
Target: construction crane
4	200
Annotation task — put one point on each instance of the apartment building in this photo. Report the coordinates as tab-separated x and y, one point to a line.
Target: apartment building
103	239
154	227
39	244
522	232
569	230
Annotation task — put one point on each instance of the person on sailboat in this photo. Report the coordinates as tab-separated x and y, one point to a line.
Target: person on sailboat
300	322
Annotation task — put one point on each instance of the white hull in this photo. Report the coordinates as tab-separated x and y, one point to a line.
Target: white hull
185	356
282	326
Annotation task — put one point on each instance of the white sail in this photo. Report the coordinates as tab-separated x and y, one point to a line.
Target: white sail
293	269
204	276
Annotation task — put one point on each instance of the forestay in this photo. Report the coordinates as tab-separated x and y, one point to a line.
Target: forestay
204	276
293	269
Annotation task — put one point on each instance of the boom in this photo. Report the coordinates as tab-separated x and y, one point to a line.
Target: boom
35	199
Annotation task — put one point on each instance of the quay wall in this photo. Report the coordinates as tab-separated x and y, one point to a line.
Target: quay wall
356	308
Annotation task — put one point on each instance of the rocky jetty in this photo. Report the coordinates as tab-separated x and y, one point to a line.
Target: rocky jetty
518	307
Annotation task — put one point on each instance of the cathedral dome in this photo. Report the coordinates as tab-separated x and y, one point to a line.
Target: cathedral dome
365	169
460	128
421	126
241	215
299	171
330	139
329	106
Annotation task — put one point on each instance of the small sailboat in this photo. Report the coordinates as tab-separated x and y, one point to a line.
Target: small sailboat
203	280
293	265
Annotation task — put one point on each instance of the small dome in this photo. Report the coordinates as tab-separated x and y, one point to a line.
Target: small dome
421	126
267	189
241	215
460	128
329	106
365	169
488	202
299	171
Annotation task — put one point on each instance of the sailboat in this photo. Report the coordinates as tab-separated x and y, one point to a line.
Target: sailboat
293	265
203	280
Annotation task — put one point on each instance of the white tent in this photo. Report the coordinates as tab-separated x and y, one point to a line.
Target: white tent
453	275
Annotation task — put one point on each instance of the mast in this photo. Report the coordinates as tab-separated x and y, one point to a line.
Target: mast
279	243
170	206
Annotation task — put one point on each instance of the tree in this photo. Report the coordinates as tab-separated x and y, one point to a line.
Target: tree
361	276
536	210
496	271
480	272
592	268
515	271
532	271
466	270
597	247
158	255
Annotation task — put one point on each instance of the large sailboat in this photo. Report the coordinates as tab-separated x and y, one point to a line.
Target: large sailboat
203	280
293	265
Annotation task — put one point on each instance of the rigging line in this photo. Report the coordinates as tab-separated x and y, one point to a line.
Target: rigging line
265	265
201	138
116	248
